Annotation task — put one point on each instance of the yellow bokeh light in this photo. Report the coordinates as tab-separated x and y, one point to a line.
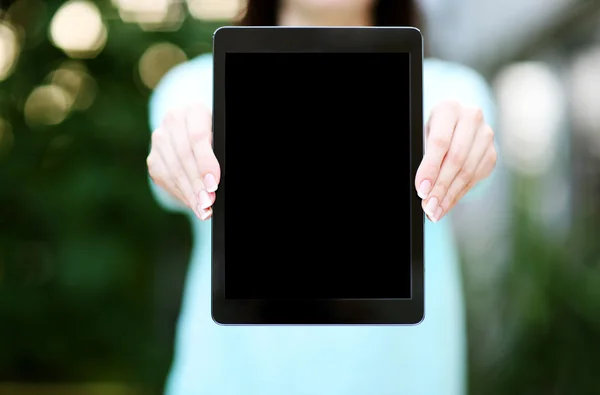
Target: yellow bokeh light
214	9
9	49
157	60
47	105
74	79
143	11
77	28
151	14
172	21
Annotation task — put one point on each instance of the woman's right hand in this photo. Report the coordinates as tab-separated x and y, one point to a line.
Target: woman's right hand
182	161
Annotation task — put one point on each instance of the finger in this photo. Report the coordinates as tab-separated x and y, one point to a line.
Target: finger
488	163
466	177
462	141
207	214
199	127
484	169
440	127
205	199
159	176
442	213
176	174
429	217
177	126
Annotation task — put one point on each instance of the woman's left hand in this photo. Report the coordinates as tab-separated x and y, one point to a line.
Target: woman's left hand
459	152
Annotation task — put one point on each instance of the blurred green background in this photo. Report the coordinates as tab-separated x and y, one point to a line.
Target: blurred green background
83	297
91	269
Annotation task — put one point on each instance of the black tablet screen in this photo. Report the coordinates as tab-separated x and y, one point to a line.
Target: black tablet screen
317	176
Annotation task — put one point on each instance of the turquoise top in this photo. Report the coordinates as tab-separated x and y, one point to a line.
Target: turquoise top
427	359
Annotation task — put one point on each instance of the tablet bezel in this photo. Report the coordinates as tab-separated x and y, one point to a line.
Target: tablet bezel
313	312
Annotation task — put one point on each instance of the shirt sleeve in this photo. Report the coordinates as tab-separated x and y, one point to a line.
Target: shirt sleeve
183	86
452	81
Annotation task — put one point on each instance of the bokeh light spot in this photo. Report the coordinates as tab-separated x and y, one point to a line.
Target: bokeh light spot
77	28
157	60
214	9
74	79
47	105
139	11
531	104
9	49
151	14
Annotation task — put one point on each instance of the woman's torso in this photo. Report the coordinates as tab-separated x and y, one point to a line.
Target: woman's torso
427	359
236	360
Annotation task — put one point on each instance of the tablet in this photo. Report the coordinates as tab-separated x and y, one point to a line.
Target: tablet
319	133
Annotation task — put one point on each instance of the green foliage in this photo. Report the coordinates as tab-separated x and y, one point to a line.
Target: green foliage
548	307
79	230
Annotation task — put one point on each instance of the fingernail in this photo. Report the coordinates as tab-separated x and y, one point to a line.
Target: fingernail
205	200
424	189
210	182
431	207
205	213
438	214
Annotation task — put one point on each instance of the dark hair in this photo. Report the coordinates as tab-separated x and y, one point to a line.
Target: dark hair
386	13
